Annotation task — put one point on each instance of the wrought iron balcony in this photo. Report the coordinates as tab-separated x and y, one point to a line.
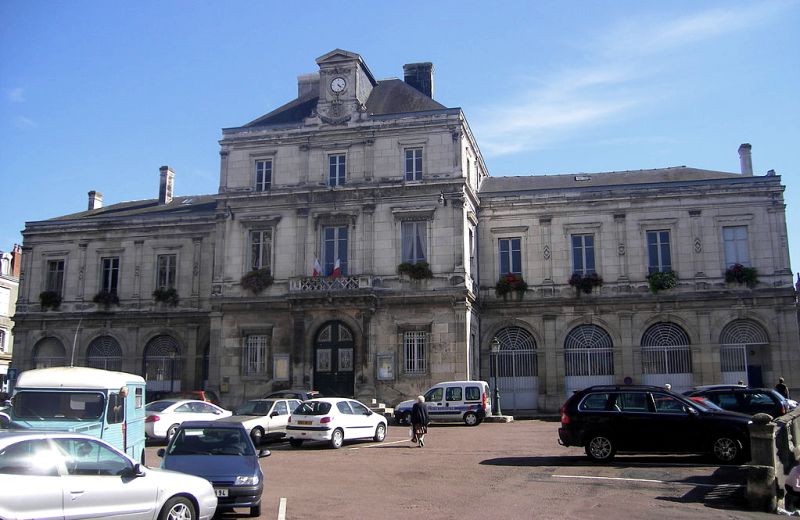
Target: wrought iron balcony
328	284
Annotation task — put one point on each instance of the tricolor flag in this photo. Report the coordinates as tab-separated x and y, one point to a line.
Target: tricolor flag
317	270
337	269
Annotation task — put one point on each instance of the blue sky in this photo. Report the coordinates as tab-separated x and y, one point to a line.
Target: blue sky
98	95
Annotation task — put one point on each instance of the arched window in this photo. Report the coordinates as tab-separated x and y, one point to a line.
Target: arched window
666	356
162	364
49	352
588	351
104	352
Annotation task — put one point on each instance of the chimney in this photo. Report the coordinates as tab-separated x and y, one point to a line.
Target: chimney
745	159
16	261
95	200
165	187
420	76
308	85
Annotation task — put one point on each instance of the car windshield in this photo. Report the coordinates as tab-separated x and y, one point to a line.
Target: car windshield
254	408
313	408
67	406
211	441
159	406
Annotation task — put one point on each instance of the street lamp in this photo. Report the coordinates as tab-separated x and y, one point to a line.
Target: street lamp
495	356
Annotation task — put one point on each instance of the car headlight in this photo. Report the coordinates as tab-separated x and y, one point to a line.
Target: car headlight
242	480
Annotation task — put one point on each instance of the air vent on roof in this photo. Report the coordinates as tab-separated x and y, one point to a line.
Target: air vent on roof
582	178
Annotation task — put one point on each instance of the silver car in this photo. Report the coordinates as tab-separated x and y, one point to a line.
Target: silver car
70	475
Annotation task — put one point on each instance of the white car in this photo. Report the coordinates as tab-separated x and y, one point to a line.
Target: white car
71	475
163	417
264	418
334	420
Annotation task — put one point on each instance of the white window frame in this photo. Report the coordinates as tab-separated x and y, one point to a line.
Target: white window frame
262	259
513	269
260	168
337	171
417	163
329	263
410	230
171	272
108	281
658	265
255	354
415	351
736	249
49	284
583	269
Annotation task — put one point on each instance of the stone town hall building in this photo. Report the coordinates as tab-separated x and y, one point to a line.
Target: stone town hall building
378	183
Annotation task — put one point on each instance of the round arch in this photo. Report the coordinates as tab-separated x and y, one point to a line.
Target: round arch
588	357
515	368
666	356
162	364
737	339
104	352
49	352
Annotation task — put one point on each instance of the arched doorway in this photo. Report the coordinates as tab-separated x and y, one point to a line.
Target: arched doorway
104	352
333	360
49	352
162	364
515	369
738	339
667	357
588	358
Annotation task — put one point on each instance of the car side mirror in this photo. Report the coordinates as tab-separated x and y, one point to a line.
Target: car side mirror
274	414
691	411
263	453
161	452
134	471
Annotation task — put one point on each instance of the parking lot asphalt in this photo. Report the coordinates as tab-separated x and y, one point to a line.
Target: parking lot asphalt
514	470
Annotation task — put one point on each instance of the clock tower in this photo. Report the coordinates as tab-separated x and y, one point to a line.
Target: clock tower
345	84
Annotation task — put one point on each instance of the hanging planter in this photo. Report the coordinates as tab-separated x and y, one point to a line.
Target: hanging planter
417	271
49	300
166	295
741	274
662	280
585	283
508	283
257	280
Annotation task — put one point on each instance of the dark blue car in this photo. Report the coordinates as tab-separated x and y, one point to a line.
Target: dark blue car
223	454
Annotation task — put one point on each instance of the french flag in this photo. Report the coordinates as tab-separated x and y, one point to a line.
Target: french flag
337	269
317	270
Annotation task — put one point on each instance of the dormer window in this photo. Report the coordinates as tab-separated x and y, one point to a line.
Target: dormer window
337	168
263	169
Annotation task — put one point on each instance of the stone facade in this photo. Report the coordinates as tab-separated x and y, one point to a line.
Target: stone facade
355	245
9	287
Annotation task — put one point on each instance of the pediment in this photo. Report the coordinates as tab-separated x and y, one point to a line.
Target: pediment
338	55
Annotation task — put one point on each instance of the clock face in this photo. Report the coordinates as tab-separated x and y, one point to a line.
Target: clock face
338	84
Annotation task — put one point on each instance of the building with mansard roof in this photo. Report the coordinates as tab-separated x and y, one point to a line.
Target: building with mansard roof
358	246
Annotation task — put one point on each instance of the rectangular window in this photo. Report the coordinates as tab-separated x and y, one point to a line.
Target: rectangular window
55	276
254	360
659	259
110	281
263	174
735	241
510	256
261	249
414	343
415	238
166	268
413	164
334	247
336	169
583	254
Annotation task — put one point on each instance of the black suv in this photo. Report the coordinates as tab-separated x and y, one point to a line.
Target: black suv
738	398
650	419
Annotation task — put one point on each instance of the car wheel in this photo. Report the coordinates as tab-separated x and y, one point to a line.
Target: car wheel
337	438
380	433
255	510
257	434
600	448
471	419
726	449
177	508
296	443
171	431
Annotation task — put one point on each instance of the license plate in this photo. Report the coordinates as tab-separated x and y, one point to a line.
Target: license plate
221	492
304	423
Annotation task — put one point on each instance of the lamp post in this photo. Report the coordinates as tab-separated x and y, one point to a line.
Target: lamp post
495	355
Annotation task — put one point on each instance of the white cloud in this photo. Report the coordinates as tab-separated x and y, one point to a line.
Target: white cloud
16	95
25	123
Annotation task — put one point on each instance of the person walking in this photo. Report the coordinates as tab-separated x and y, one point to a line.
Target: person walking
419	421
782	388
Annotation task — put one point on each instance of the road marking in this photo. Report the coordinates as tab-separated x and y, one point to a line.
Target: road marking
282	509
652	481
378	444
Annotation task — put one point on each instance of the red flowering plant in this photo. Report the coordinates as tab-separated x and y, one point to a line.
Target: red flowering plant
585	282
741	274
510	282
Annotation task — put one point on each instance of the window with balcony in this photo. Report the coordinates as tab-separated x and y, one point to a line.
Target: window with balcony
334	250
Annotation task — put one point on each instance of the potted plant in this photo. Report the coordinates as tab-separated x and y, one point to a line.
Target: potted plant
49	300
166	295
585	282
510	282
741	274
416	271
257	280
106	298
662	280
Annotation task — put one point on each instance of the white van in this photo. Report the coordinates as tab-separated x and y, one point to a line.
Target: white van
452	401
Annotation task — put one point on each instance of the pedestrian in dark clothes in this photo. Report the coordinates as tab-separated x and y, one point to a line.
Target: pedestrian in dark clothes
782	388
419	421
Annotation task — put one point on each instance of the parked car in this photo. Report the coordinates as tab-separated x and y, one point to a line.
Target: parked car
334	420
208	396
223	454
164	417
650	419
451	401
63	474
265	419
737	398
303	395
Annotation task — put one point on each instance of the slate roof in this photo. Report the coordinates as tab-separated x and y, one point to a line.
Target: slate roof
194	206
389	96
498	185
